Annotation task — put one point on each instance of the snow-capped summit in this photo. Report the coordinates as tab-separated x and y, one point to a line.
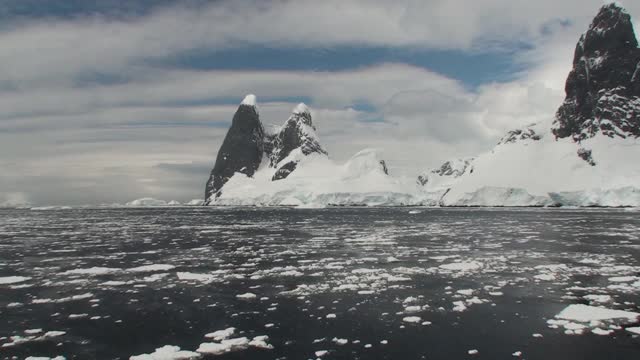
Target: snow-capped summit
241	150
290	167
302	108
603	88
249	100
585	158
296	138
246	146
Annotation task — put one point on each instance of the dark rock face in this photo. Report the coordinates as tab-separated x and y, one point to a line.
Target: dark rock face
603	88
519	135
384	167
587	156
241	150
449	168
297	132
246	143
284	170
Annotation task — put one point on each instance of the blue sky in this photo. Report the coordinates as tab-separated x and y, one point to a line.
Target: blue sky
106	101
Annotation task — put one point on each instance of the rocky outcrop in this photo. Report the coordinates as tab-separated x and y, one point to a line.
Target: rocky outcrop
449	169
241	150
297	134
603	88
520	135
246	145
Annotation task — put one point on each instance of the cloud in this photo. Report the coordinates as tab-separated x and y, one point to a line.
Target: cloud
82	46
88	115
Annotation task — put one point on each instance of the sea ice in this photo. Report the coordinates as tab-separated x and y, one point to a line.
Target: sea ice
462	266
13	279
586	313
152	268
96	270
246	296
412	319
167	352
221	334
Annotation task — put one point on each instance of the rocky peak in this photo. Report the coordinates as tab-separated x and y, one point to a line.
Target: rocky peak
520	135
241	150
297	133
603	88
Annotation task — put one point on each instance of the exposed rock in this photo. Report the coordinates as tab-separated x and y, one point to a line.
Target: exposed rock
297	133
384	167
603	88
450	169
586	155
241	150
519	135
284	170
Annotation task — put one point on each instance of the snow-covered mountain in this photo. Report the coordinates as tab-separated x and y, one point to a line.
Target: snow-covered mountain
587	155
294	169
297	138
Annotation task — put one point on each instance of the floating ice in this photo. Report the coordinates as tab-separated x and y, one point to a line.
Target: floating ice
462	266
205	278
586	313
151	268
96	270
412	319
246	296
221	334
13	279
167	352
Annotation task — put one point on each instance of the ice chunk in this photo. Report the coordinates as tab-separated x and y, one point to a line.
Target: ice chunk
586	313
412	319
221	334
599	331
152	268
168	352
205	278
321	353
462	266
246	296
92	271
260	342
13	279
340	341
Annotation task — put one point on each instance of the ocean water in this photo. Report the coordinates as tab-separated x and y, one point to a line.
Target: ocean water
340	283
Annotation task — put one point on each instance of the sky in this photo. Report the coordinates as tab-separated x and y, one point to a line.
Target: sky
106	101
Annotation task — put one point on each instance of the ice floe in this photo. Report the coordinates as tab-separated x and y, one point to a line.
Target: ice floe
167	352
13	279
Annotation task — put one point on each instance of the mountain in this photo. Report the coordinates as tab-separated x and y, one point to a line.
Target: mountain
291	167
296	138
587	155
603	88
241	150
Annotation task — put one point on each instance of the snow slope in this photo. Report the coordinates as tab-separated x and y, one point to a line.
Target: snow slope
548	172
318	182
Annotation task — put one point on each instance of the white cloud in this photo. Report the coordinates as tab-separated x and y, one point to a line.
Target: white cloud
144	137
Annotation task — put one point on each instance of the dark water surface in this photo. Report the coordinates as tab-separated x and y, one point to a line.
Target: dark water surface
478	279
